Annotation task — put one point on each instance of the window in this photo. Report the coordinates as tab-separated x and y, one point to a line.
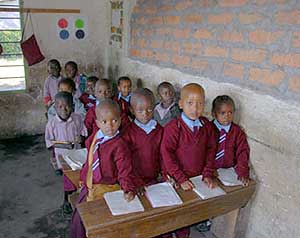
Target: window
12	69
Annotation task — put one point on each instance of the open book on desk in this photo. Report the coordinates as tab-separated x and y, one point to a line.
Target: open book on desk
75	158
119	206
203	191
162	195
229	177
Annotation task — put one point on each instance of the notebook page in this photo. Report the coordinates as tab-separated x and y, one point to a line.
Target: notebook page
229	177
119	206
75	158
203	191
162	195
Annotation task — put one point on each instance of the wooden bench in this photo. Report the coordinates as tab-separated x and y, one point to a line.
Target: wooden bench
100	223
71	174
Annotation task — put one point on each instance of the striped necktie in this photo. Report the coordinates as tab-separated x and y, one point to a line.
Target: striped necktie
96	161
221	145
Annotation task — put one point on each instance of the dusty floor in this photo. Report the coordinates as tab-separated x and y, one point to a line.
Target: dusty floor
31	194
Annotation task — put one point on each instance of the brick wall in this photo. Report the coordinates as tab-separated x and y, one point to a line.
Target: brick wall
253	43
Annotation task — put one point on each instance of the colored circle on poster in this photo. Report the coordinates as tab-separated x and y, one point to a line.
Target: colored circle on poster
63	23
79	34
79	23
64	34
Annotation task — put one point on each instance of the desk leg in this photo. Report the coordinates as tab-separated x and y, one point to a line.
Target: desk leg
224	226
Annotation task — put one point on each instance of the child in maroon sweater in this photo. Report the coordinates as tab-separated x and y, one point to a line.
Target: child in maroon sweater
143	137
188	146
102	92
88	98
111	160
233	149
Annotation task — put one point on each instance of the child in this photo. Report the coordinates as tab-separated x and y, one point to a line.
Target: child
68	85
87	98
188	147
102	91
115	159
143	137
51	83
233	149
71	70
167	109
63	130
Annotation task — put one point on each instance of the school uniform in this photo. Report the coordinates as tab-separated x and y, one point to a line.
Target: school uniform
187	153
188	149
57	129
78	109
88	100
112	167
90	120
51	88
235	151
164	115
144	142
124	103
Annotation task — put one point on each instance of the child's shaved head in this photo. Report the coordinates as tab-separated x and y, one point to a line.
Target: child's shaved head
141	93
108	104
192	88
102	89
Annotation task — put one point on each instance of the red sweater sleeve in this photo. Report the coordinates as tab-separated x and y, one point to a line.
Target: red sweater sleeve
211	148
169	145
89	120
242	155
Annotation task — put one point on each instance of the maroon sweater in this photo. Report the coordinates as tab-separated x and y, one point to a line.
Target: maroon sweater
87	102
186	154
90	121
145	148
115	163
236	150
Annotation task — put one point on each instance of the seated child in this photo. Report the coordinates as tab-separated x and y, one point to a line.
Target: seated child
68	85
143	136
233	149
63	131
102	91
71	69
114	166
87	98
188	146
167	108
51	83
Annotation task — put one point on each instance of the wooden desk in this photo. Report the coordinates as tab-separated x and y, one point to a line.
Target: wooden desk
71	174
100	223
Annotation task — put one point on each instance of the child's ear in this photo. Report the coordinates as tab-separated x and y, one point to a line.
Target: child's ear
131	110
180	103
98	123
119	88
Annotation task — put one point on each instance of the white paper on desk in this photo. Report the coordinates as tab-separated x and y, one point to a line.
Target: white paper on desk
229	177
162	195
119	206
75	158
205	192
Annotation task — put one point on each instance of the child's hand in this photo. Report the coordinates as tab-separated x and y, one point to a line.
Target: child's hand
187	185
49	103
81	183
141	191
244	180
172	181
129	196
211	183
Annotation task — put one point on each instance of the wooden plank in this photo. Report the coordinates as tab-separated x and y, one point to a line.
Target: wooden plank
99	222
74	176
39	10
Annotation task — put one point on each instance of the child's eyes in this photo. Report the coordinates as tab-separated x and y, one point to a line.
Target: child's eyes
150	110
114	121
104	122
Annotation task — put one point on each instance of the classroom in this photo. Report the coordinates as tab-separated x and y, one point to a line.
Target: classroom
102	66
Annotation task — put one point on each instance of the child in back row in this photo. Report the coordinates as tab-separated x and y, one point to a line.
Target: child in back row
88	98
111	162
188	146
68	85
71	70
143	137
62	131
233	149
102	92
167	108
51	83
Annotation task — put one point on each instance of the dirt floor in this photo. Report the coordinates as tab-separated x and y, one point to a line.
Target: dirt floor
31	194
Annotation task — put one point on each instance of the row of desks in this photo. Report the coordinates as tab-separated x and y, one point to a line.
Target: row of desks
100	223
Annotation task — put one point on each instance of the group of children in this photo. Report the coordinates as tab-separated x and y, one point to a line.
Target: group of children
134	142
